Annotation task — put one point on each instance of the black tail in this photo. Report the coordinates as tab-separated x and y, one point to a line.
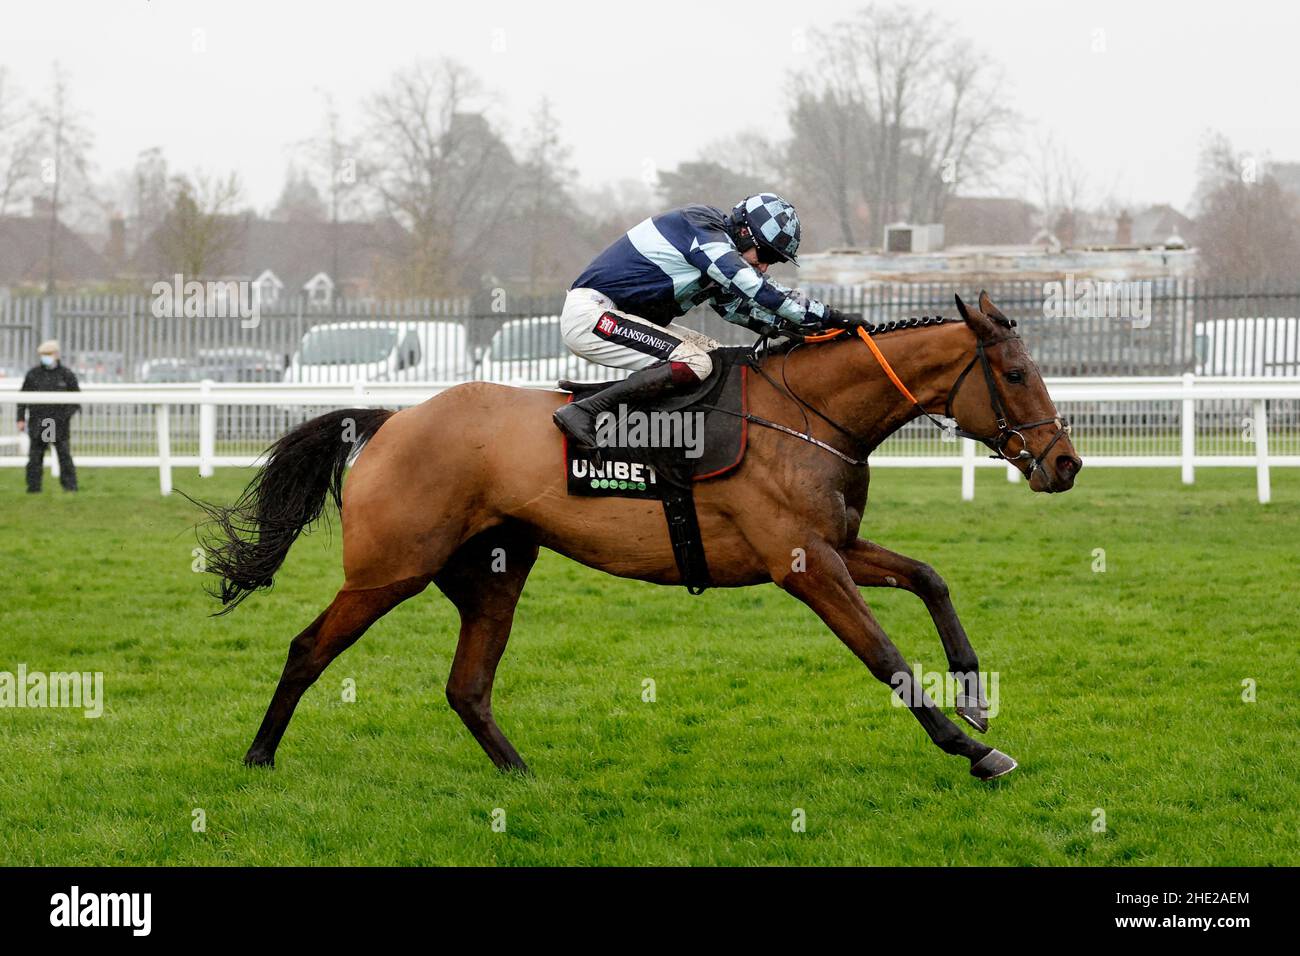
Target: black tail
246	543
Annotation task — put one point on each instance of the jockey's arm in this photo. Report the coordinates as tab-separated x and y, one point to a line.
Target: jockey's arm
746	312
716	257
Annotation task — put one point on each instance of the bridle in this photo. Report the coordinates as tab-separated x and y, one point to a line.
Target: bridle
996	442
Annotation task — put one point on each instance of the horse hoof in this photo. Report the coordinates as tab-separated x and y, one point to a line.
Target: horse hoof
992	765
974	713
255	758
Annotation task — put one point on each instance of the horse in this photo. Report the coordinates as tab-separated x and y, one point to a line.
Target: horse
464	489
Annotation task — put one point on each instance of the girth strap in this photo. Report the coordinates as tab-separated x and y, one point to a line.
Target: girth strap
684	533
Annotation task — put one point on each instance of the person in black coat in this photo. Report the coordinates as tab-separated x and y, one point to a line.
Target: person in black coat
49	424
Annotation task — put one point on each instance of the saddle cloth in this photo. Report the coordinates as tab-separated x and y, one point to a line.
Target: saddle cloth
691	436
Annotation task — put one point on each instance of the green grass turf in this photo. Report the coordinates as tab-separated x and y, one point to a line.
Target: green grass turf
1119	691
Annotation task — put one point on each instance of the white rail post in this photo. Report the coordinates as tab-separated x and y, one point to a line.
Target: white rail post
207	431
1013	474
1189	430
967	470
1261	451
163	418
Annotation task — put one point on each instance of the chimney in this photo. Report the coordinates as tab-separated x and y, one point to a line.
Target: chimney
1124	229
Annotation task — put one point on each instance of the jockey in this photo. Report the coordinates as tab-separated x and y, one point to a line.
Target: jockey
620	311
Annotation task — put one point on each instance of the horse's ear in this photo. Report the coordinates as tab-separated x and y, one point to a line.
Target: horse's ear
988	308
977	321
961	307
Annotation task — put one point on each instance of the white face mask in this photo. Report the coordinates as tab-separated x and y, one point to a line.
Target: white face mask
48	361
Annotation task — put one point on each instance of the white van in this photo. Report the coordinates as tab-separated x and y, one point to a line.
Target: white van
532	350
1249	347
383	351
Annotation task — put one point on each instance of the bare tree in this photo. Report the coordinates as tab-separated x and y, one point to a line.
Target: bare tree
824	158
333	159
202	228
151	196
900	111
441	170
549	210
64	149
18	144
1248	226
965	122
1055	182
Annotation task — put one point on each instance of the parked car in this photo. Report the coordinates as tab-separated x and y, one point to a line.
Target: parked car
532	350
168	370
98	366
240	365
218	365
383	351
1249	346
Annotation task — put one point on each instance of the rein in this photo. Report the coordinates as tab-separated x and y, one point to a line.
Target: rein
947	424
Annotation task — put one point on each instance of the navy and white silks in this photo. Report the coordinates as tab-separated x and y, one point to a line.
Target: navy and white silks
621	310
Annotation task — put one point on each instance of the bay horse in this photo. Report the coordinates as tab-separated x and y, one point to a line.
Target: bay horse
464	489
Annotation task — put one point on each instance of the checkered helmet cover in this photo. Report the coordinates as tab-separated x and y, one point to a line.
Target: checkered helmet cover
772	222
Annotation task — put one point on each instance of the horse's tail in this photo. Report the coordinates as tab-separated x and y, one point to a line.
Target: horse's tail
246	543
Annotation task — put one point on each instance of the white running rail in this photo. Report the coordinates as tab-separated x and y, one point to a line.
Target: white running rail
1187	391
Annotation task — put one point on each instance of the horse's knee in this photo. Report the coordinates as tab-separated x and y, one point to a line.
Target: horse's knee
929	584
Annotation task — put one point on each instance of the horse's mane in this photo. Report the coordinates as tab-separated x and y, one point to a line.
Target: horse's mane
882	328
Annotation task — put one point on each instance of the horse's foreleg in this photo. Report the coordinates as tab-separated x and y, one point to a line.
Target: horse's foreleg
484	580
338	628
872	566
827	587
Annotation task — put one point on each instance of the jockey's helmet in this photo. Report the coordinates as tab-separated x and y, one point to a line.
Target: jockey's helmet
769	222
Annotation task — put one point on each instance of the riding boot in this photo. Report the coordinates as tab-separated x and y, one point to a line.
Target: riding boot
578	419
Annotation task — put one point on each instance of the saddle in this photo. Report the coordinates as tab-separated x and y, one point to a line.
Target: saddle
659	451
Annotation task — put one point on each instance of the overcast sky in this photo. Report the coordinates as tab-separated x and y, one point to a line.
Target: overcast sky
642	82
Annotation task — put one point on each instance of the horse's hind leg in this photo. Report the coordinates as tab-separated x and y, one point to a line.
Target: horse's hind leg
338	628
875	567
484	579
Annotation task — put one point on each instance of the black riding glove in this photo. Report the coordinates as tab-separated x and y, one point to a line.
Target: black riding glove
835	319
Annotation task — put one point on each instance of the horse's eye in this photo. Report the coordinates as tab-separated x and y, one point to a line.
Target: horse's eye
1016	377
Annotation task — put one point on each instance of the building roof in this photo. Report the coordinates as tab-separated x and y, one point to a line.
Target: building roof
24	250
1153	225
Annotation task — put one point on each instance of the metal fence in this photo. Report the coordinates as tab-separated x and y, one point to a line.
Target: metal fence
120	339
1230	328
1266	438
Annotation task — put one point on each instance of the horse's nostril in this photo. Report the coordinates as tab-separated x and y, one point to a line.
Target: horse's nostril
1067	466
